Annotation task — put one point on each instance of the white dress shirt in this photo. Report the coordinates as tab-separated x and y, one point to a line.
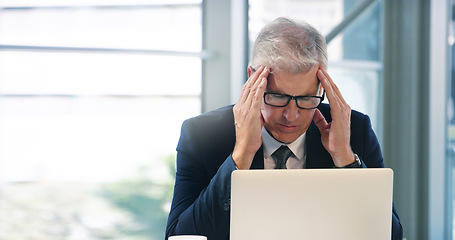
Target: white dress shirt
270	145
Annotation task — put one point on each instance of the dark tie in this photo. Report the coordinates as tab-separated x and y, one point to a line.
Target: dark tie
281	155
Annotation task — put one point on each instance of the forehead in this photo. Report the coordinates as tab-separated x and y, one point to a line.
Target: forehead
305	83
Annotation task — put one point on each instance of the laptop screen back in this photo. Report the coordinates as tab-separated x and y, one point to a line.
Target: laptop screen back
311	204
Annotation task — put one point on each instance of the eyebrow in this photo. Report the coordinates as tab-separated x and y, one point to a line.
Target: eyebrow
314	93
308	95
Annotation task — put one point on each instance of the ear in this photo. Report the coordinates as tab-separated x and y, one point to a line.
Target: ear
321	89
250	71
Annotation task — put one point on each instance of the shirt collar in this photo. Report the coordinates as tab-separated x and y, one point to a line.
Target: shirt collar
270	145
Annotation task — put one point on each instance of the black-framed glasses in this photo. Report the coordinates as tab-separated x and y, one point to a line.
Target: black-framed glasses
303	102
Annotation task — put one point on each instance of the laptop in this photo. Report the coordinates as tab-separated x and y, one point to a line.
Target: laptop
354	204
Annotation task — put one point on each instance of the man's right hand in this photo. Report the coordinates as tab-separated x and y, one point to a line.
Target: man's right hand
248	118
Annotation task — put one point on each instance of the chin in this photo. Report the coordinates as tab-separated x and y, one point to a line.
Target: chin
286	139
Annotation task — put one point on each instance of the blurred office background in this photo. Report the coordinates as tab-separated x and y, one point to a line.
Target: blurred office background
93	94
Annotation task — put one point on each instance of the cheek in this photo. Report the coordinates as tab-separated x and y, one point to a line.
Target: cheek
268	113
273	114
307	117
309	114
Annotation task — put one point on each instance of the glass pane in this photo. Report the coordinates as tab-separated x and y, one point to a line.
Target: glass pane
88	167
91	73
362	40
359	88
81	136
27	3
87	140
451	116
169	28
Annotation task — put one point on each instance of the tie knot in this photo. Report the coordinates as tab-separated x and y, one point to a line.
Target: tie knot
281	155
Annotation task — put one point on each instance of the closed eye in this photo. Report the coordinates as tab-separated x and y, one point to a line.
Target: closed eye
304	98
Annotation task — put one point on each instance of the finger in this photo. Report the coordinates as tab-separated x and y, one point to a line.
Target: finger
248	85
258	88
326	85
257	98
263	77
319	120
331	88
334	100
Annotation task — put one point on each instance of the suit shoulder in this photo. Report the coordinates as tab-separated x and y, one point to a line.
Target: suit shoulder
213	118
209	128
208	139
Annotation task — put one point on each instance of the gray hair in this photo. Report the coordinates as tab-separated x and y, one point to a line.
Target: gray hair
285	45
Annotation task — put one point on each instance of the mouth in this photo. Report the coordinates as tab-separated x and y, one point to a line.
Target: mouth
286	127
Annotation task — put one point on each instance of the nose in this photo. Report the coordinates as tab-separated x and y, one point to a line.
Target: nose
291	111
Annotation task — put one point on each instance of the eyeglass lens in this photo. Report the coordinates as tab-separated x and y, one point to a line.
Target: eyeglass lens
280	100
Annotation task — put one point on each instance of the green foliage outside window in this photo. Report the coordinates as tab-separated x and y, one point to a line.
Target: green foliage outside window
133	209
146	201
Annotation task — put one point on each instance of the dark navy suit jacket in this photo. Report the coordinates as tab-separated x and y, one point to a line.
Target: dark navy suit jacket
201	202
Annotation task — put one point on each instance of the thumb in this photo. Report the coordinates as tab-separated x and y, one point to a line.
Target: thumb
319	120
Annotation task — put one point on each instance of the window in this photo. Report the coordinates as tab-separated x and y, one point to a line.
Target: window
451	119
92	96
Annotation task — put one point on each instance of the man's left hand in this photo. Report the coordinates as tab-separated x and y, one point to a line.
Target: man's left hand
335	135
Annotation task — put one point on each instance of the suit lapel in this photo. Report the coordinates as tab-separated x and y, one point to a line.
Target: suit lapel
258	160
316	155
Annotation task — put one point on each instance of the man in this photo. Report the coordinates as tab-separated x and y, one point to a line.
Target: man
280	104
